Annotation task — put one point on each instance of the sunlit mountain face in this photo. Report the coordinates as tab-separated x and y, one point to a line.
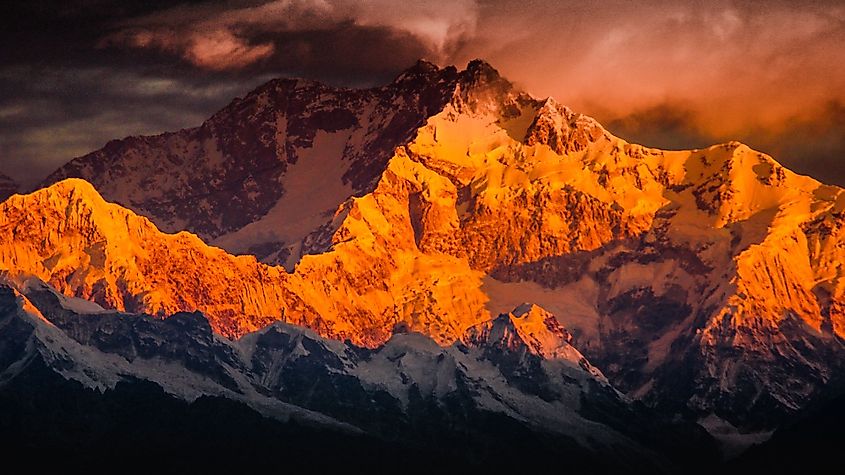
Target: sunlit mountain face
368	261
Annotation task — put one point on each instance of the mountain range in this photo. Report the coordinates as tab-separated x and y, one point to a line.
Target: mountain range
439	255
516	373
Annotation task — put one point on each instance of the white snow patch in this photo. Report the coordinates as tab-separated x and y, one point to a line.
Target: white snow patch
731	441
658	276
100	371
313	191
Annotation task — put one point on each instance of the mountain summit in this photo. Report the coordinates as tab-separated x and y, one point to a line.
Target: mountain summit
260	161
707	283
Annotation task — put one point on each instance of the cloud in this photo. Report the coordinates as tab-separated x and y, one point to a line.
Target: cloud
47	118
665	125
807	143
682	74
225	39
673	74
729	60
216	49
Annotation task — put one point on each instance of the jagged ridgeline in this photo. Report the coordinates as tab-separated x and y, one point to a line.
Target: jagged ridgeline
704	283
513	386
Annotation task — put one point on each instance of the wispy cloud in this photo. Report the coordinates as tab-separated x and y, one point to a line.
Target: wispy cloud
49	118
668	73
222	39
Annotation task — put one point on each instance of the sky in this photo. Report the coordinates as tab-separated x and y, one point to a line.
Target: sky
75	74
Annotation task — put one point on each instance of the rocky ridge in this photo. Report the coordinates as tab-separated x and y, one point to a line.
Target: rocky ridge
706	282
408	386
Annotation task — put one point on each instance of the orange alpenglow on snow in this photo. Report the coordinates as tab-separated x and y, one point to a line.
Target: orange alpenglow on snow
497	197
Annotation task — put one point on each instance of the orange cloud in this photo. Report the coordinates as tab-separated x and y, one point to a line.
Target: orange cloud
221	50
216	49
735	66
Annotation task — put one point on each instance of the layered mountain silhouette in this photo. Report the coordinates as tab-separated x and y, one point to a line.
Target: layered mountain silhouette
705	284
505	387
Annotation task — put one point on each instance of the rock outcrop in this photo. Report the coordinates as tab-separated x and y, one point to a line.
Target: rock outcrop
705	282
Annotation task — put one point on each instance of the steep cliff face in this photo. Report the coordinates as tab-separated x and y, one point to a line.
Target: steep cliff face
70	237
708	282
246	177
695	279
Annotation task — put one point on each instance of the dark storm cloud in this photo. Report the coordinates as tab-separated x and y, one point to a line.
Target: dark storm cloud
248	33
671	125
675	74
49	116
61	96
813	145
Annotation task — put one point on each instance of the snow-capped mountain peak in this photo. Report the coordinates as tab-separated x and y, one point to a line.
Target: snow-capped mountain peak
446	198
